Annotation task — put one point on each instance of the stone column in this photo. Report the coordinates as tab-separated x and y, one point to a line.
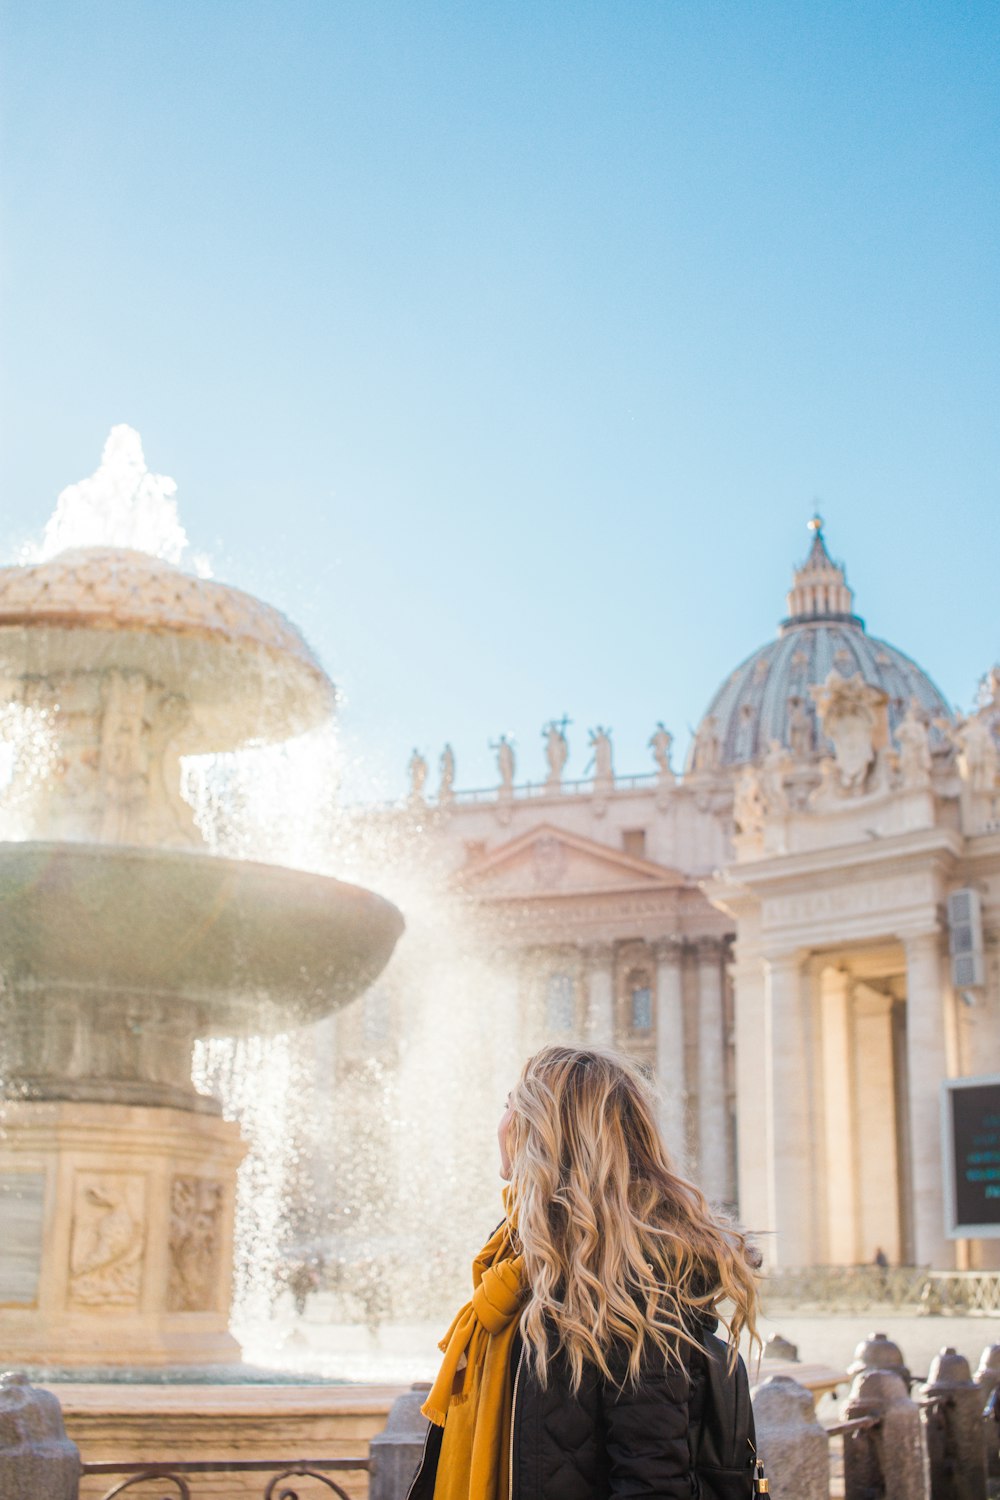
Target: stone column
841	1123
878	1198
788	1053
670	1048
926	1066
713	1124
600	959
753	1125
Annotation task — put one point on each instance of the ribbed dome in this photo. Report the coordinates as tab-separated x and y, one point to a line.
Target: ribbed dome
756	704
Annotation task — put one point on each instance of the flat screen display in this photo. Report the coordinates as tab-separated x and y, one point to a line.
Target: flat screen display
972	1157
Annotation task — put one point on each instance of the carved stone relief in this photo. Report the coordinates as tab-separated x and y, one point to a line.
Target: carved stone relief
124	757
195	1225
707	749
853	899
748	803
775	769
914	750
853	717
977	759
108	1239
548	861
800	728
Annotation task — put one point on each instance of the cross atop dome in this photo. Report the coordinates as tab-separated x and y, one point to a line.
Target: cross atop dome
820	590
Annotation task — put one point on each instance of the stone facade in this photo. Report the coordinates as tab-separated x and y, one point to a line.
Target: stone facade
765	932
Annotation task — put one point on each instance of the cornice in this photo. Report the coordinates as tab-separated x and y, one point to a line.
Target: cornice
942	846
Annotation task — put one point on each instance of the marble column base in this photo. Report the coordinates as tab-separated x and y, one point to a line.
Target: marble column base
117	1243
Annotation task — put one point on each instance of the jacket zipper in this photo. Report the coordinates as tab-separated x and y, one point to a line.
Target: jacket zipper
513	1413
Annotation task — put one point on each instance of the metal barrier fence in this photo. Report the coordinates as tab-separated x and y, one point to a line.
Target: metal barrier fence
945	1445
861	1288
864	1466
176	1474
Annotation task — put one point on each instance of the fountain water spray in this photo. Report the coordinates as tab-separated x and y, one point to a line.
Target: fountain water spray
122	504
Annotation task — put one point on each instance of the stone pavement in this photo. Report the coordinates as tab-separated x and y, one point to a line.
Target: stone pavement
401	1353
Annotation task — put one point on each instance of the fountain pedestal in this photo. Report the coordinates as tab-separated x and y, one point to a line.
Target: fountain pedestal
118	1179
118	1234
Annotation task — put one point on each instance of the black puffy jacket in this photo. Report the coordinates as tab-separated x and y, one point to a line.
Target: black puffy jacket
605	1441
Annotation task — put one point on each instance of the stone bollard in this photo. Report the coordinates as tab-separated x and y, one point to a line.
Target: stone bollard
778	1347
37	1460
396	1451
987	1378
953	1423
792	1445
889	1460
878	1352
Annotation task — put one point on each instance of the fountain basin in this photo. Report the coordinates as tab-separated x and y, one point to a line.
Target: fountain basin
115	960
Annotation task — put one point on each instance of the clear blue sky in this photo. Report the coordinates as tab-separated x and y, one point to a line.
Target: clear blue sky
509	347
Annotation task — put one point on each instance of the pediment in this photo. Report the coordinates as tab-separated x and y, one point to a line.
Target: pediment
551	861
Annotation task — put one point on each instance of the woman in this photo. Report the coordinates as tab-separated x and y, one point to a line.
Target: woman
579	1369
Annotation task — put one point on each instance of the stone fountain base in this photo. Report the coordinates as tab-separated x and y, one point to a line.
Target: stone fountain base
117	1243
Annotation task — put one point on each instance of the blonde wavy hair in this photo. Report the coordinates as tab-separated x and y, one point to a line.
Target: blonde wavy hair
618	1248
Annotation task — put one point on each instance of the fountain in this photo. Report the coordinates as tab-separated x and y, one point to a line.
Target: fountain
123	940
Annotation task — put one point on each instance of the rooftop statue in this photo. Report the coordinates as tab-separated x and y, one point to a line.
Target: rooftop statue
556	750
505	762
777	765
914	749
800	728
748	802
706	746
417	771
977	756
660	743
446	765
600	742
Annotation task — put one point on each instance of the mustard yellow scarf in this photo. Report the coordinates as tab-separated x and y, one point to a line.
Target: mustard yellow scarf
471	1398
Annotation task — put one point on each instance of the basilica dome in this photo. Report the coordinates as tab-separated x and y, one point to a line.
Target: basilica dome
768	696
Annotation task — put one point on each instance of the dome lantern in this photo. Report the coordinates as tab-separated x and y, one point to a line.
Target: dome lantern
820	589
